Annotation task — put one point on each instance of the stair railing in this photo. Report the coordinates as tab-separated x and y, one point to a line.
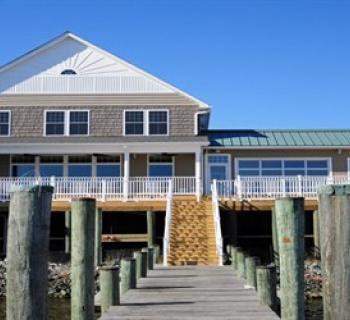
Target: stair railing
217	223
166	238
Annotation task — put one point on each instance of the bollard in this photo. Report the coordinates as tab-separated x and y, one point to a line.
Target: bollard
27	253
251	263
241	264
266	286
137	256
98	237
290	231
144	262
127	274
82	261
109	284
150	258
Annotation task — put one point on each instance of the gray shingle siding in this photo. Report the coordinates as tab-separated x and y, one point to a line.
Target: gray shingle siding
105	121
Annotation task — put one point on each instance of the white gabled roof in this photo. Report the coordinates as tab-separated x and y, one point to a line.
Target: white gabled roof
98	71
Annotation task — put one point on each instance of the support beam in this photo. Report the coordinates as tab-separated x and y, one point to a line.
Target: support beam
151	228
275	248
290	219
198	173
98	237
316	230
27	253
67	232
126	175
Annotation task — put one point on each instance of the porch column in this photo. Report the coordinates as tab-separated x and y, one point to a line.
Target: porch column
126	174
198	172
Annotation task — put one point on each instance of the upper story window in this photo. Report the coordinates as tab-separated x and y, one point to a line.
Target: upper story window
146	122
64	123
5	119
134	123
68	72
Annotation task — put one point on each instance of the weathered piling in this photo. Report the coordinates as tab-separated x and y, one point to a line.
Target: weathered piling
150	259
156	253
127	274
27	253
98	237
316	230
82	260
144	262
151	230
236	250
138	258
334	210
266	285
251	263
109	283
290	230
67	232
241	264
275	248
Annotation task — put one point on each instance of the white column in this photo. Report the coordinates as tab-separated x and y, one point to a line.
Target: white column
126	174
198	172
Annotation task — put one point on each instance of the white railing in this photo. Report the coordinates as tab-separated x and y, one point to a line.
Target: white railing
169	206
261	188
217	222
104	189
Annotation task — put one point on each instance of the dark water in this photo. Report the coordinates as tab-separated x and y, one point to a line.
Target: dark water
59	309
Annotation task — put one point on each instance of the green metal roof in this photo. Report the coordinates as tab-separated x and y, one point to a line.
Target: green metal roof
279	138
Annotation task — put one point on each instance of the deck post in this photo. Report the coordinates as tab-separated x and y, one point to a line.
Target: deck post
290	230
138	258
127	274
266	286
150	258
241	264
316	230
251	264
334	210
109	283
151	230
275	249
82	259
126	175
27	253
98	237
67	232
198	171
144	262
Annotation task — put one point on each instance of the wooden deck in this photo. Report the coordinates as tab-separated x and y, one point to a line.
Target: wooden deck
190	292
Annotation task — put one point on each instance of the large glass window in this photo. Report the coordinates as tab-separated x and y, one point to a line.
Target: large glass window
158	122
23	166
280	167
134	123
79	166
54	123
4	123
51	166
107	166
78	123
160	166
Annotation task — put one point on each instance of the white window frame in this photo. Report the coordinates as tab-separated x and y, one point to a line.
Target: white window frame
96	164
146	122
328	159
9	123
66	132
172	163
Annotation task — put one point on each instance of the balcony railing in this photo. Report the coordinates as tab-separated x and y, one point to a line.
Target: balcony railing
105	189
260	188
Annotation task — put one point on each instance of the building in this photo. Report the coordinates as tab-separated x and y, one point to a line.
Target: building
87	122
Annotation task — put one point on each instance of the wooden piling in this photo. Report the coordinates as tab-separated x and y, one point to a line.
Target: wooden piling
151	230
275	248
290	230
98	237
67	232
144	262
236	251
137	256
82	259
127	274
241	264
316	230
334	211
27	253
251	263
150	256
266	286
109	284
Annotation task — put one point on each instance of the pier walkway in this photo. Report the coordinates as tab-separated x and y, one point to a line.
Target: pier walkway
190	292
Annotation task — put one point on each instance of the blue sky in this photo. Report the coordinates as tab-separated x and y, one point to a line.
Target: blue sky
259	64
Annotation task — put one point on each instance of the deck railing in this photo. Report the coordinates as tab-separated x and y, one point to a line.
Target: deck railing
261	188
104	189
168	215
217	222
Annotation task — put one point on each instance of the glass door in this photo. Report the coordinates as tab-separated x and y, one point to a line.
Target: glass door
218	168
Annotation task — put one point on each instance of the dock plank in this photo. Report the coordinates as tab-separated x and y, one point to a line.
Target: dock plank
190	292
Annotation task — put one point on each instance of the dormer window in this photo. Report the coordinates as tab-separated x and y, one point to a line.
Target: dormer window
68	72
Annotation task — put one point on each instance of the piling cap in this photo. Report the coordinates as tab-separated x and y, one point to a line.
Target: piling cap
335	190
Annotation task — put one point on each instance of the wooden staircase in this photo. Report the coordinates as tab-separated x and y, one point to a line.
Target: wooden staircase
192	233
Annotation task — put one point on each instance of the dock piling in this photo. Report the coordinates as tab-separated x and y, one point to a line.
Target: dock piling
266	285
138	259
98	237
144	262
251	263
241	264
150	258
67	232
109	283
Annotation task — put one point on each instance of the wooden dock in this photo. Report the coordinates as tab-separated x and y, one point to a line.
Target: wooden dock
190	292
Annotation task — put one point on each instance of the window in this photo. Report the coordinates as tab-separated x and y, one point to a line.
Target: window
160	165
68	72
281	167
23	166
107	166
55	123
5	123
134	122
78	123
51	166
79	166
158	123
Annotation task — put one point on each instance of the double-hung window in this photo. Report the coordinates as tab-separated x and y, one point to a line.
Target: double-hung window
134	123
55	123
157	122
5	119
78	123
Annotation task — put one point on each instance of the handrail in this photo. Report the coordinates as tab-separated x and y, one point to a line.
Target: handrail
217	222
169	205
